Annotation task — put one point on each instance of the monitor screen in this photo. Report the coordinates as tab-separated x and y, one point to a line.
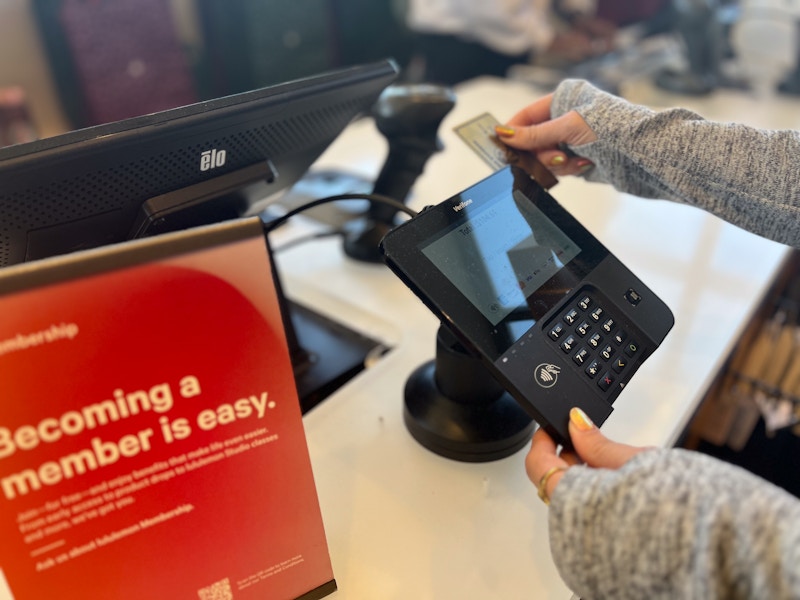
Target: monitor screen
170	170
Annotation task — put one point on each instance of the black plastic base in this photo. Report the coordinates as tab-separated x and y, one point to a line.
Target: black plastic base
469	432
362	240
335	354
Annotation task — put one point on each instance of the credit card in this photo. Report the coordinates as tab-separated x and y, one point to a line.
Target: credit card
478	133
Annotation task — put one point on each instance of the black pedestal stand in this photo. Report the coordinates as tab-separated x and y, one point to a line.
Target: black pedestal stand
408	116
325	354
455	408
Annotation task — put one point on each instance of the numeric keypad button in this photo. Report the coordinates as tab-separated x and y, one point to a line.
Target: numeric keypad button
557	331
608	325
631	348
581	356
568	344
606	381
592	369
595	340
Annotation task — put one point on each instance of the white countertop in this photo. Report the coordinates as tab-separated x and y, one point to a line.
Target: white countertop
404	523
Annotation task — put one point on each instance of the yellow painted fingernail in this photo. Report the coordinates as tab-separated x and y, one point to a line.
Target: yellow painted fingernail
580	419
557	160
504	131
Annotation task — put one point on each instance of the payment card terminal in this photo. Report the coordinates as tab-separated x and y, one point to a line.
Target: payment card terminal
557	319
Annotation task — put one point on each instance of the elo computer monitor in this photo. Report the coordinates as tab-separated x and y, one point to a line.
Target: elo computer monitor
174	169
190	166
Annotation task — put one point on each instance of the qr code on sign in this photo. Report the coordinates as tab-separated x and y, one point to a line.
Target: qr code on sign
220	590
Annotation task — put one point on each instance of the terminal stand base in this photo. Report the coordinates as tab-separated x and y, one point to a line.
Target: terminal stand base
456	409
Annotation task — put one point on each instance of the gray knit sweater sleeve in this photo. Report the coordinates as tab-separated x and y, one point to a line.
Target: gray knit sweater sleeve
675	524
746	176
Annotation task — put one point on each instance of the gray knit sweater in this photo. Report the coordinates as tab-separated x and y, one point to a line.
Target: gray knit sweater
749	177
675	524
671	523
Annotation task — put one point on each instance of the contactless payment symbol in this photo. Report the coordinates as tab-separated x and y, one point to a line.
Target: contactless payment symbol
547	375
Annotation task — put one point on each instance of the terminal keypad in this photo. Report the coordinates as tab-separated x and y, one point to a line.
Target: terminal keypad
597	341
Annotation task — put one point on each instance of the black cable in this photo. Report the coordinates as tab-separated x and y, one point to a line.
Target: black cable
270	225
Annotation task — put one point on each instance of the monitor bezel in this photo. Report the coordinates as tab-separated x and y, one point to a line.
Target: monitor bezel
25	168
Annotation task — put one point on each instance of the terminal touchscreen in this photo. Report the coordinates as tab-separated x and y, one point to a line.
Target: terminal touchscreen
555	317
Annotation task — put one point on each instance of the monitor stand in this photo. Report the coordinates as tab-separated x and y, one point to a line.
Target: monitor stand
330	354
325	354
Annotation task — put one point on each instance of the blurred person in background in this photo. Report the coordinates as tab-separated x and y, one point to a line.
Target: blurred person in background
462	39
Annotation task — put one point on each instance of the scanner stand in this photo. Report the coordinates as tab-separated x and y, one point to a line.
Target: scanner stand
455	408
